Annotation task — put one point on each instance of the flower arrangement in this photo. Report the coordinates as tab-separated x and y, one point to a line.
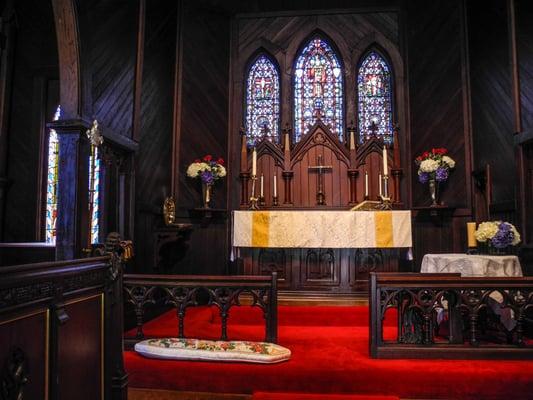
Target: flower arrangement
497	234
434	164
207	169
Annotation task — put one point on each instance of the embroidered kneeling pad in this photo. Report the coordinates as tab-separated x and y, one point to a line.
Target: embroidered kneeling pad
210	350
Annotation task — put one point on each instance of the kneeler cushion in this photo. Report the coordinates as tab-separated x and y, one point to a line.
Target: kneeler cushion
211	350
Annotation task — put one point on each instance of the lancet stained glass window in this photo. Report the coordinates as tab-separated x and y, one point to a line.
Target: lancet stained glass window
318	89
94	194
262	101
51	183
374	87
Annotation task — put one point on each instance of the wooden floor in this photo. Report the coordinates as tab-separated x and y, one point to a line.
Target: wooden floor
150	394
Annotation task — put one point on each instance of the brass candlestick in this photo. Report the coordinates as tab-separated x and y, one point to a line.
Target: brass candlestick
275	201
253	198
385	203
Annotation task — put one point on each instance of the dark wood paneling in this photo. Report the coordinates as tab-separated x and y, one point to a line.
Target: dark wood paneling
439	115
492	114
28	332
36	59
524	44
108	34
80	342
204	99
153	160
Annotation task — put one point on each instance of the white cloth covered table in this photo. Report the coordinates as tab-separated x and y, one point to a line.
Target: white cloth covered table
472	265
322	229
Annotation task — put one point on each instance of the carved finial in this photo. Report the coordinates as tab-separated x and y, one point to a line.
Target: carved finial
94	135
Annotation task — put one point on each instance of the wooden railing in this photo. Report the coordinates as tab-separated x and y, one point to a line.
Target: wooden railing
467	304
183	291
56	316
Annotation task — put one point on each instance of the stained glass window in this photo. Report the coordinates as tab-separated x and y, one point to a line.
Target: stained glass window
318	89
374	87
262	101
94	194
51	183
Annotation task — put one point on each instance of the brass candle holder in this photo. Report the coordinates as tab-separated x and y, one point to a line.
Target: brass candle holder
385	201
253	199
275	201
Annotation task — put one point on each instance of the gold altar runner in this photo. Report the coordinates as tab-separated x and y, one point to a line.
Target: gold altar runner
322	229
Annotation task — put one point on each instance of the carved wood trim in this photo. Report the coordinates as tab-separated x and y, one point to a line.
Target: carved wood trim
319	135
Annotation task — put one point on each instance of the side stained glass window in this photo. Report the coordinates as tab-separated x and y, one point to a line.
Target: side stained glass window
318	89
262	101
51	183
94	194
374	88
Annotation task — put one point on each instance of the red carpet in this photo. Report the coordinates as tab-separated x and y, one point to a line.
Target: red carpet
329	355
307	396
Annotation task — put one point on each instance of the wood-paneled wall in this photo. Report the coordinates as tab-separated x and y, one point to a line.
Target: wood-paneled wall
34	70
439	117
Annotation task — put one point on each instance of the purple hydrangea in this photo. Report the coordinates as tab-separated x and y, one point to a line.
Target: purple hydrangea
207	177
423	177
441	174
504	237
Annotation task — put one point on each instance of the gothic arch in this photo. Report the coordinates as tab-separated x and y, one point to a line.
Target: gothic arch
69	57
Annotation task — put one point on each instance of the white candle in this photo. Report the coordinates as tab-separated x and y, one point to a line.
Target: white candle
287	142
352	140
275	186
380	188
254	162
366	183
385	162
261	191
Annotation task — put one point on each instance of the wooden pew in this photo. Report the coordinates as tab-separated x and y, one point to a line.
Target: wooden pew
60	330
418	299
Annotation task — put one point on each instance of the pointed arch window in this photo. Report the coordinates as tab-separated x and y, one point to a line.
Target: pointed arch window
52	171
374	88
262	117
318	88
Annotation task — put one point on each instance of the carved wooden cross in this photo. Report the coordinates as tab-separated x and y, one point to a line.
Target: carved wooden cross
320	169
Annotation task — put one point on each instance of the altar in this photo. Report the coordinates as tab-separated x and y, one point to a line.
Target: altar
295	215
317	252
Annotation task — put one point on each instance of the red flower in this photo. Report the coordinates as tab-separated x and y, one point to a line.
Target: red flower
208	158
197	160
439	151
419	158
425	155
220	161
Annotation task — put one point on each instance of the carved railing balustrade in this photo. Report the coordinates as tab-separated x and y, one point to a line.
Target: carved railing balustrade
485	317
184	291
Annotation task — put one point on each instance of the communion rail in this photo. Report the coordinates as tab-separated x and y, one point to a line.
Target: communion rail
468	306
184	291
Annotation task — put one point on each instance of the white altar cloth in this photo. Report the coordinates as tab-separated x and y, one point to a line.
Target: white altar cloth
472	265
322	229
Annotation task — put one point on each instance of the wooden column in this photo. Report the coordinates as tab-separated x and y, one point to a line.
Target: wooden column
7	31
396	170
353	172
287	174
72	222
244	175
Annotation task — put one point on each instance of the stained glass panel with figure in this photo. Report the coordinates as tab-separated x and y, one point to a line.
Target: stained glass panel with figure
374	88
94	194
318	89
51	183
262	101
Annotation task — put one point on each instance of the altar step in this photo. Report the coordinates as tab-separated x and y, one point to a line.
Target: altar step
317	396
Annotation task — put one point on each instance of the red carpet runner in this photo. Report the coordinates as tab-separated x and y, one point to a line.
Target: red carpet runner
329	355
